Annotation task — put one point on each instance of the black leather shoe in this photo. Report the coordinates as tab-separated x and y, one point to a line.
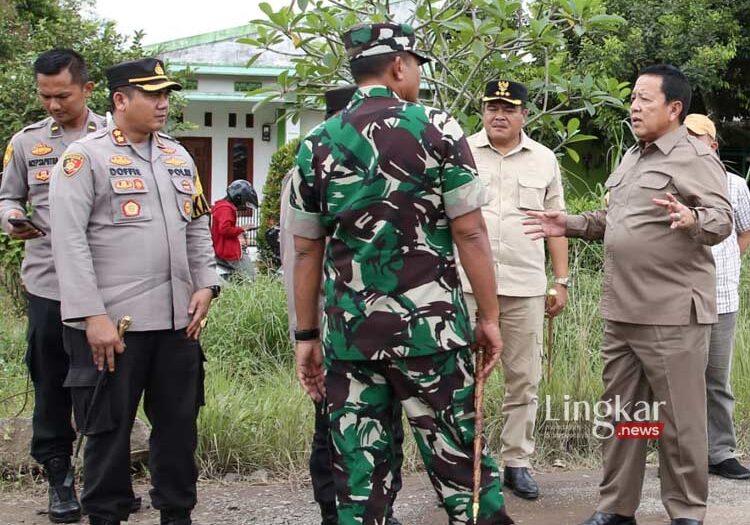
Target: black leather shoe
686	521
328	514
93	520
176	517
63	503
521	483
390	520
605	518
729	468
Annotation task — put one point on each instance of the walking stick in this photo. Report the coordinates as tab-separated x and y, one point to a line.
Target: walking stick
551	293
478	429
122	326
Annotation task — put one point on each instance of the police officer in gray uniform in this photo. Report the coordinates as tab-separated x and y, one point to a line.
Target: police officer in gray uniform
63	87
132	240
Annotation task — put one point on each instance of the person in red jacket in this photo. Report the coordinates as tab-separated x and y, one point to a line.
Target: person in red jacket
224	230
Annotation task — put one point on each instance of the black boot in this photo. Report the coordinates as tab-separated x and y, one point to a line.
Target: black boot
63	503
176	517
328	514
93	520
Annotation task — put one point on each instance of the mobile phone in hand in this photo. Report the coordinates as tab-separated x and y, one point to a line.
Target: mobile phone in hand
25	221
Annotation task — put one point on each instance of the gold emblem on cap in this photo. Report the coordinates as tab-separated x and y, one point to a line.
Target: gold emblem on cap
158	69
503	86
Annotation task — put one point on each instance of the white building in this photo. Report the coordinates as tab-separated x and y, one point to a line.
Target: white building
230	140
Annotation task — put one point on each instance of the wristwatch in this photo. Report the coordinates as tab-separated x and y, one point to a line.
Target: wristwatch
563	281
215	290
310	334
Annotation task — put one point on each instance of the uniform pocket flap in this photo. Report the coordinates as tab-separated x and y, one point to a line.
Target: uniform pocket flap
184	185
532	179
614	179
125	185
81	376
655	180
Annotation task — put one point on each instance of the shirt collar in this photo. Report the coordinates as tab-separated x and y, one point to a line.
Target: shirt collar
483	141
667	142
55	129
374	90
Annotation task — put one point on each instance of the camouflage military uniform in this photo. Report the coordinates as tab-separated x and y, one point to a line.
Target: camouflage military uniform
382	179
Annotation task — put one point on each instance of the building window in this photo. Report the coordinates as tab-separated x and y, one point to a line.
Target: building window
233	120
208	119
249	120
240	159
247	85
190	83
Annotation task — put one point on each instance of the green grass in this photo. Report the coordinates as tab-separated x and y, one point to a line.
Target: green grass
256	416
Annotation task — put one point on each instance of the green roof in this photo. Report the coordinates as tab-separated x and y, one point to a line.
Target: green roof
202	96
256	71
232	33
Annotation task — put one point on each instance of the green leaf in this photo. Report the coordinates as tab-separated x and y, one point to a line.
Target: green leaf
573	154
573	125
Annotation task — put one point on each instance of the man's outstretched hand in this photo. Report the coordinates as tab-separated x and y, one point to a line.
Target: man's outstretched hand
544	224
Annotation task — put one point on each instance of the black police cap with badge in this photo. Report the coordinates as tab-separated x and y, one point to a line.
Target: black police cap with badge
338	98
507	91
146	74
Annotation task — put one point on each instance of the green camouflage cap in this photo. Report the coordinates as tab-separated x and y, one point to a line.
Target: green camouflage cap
366	40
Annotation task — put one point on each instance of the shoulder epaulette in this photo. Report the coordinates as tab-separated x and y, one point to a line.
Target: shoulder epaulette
36	125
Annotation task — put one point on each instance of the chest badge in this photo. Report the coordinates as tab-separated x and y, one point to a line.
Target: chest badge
187	185
187	207
121	160
42	176
175	161
131	209
41	149
72	163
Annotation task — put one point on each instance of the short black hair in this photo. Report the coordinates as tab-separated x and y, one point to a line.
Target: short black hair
128	91
54	61
674	85
368	67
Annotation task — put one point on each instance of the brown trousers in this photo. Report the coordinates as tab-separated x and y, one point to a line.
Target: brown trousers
665	364
521	326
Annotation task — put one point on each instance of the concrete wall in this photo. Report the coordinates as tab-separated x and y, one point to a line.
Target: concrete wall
220	133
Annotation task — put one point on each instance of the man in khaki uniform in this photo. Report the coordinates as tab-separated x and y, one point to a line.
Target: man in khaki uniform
668	204
519	174
132	239
63	87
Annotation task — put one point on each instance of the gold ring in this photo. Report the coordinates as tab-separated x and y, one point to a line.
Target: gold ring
678	216
204	322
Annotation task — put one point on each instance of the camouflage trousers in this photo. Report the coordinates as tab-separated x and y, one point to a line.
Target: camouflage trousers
437	395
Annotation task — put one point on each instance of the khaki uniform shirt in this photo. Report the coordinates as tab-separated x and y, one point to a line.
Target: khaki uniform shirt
131	233
653	274
27	169
526	178
286	245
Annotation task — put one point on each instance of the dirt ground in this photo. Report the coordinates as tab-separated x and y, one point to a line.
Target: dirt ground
568	497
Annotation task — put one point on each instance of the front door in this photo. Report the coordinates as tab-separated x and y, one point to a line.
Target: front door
200	149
